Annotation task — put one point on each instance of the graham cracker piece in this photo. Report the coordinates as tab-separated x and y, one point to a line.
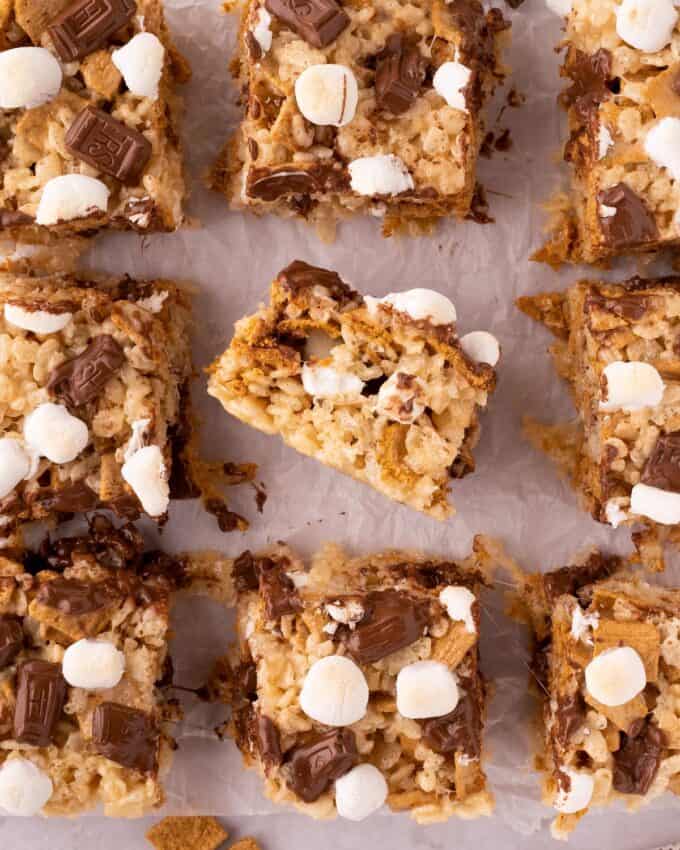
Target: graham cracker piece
247	843
452	647
622	716
187	833
642	637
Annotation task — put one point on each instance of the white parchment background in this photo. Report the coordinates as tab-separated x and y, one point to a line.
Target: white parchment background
515	493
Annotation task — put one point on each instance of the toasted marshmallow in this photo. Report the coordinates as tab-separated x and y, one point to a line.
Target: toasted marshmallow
327	382
631	386
93	664
15	464
616	676
559	7
604	141
450	81
426	689
582	625
579	794
646	24
662	145
481	346
419	304
327	95
29	76
319	344
145	472
360	792
71	196
24	788
36	321
140	62
334	692
262	30
383	174
662	506
458	602
401	398
52	432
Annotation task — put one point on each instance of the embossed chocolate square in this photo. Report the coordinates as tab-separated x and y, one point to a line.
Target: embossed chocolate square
356	681
113	100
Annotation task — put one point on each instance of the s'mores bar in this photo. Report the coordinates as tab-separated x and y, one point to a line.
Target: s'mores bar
382	389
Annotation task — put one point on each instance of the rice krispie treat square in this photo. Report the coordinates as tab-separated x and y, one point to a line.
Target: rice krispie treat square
361	107
83	642
356	682
89	118
607	668
382	389
623	101
619	349
94	404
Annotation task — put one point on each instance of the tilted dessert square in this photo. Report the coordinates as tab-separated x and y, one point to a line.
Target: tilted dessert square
619	350
380	389
606	662
356	682
361	107
623	100
89	118
83	642
94	401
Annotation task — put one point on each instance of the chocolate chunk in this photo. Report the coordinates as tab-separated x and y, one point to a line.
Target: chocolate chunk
276	589
125	735
300	276
14	218
270	184
143	214
391	621
244	573
319	22
11	639
590	75
631	307
569	580
75	598
73	499
108	145
82	379
86	25
461	730
399	74
266	738
570	716
314	766
662	469
41	691
637	760
632	223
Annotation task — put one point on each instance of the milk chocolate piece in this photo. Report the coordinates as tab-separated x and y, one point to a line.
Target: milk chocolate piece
76	498
391	621
125	735
632	223
460	730
75	598
108	145
319	22
631	307
571	579
313	767
662	469
637	759
589	75
82	379
86	25
41	691
267	740
277	589
399	74
11	639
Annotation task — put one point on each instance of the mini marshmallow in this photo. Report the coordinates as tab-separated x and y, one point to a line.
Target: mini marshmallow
450	81
334	692
605	211
458	602
614	512
71	196
426	689
24	788
137	439
36	321
583	624
401	398
604	141
327	382
262	30
631	386
15	465
52	432
327	95
616	676
93	664
559	7
29	77
360	792
579	795
140	62
662	145
383	174
145	472
482	347
319	344
646	24
419	304
662	506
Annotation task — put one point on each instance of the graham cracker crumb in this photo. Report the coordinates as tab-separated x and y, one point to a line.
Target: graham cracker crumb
182	833
247	843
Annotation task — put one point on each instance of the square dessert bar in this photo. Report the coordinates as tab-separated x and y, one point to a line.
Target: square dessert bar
83	642
94	402
361	107
89	118
619	349
623	101
356	682
606	661
380	389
